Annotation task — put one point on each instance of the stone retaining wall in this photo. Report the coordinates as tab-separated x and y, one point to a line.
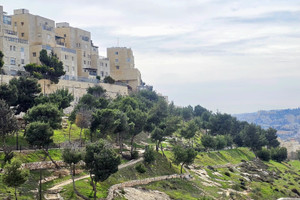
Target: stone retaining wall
111	190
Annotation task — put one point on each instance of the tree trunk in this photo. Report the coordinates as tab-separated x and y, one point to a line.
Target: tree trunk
74	187
47	153
181	168
17	140
131	142
16	193
94	187
70	132
157	146
121	144
80	137
162	149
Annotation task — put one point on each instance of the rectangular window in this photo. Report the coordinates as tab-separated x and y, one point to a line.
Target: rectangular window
72	58
117	53
22	23
105	64
67	68
117	60
22	49
34	54
10	47
22	61
84	62
15	23
65	35
12	61
118	67
66	57
22	34
14	48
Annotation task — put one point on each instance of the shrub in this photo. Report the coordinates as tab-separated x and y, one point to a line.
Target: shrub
109	80
227	174
264	154
134	155
149	155
279	154
140	168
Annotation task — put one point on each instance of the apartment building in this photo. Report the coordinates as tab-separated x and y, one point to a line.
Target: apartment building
103	67
122	66
40	34
14	48
87	52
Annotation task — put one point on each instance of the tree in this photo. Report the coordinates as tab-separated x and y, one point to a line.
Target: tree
253	137
187	113
96	91
83	120
8	122
45	113
51	68
121	128
220	124
189	130
9	93
101	161
14	176
61	97
149	155
199	110
39	134
208	142
220	141
72	156
272	138
264	154
109	80
184	156
28	90
279	154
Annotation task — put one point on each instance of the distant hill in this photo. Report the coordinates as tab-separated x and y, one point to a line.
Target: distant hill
287	121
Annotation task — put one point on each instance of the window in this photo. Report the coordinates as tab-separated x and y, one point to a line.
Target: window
117	60
12	61
22	23
117	53
34	54
105	64
15	23
101	64
128	59
102	73
22	61
84	62
72	58
118	67
10	47
22	34
65	35
66	57
22	49
14	48
67	68
84	54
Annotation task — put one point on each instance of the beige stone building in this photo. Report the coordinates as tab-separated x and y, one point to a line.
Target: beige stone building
87	52
122	66
14	48
103	67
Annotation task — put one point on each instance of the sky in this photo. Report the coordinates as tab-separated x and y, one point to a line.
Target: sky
229	56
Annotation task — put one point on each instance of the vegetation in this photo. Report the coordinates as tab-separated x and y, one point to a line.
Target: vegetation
51	68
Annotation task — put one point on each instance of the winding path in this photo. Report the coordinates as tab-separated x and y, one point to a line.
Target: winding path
67	182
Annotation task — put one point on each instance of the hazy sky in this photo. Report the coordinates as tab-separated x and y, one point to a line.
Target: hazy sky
226	55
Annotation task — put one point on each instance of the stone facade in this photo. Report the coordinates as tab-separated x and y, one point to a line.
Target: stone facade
14	48
122	66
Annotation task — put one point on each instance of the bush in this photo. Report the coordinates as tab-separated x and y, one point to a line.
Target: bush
140	168
227	174
264	154
134	155
109	80
279	154
149	155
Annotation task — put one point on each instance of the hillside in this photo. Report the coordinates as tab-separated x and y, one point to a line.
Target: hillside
287	121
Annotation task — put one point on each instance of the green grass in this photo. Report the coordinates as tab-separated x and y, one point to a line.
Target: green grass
35	156
62	135
176	189
159	168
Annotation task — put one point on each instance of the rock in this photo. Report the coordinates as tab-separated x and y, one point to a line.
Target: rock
217	174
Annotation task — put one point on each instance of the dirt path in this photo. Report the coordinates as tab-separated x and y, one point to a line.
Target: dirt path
59	185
